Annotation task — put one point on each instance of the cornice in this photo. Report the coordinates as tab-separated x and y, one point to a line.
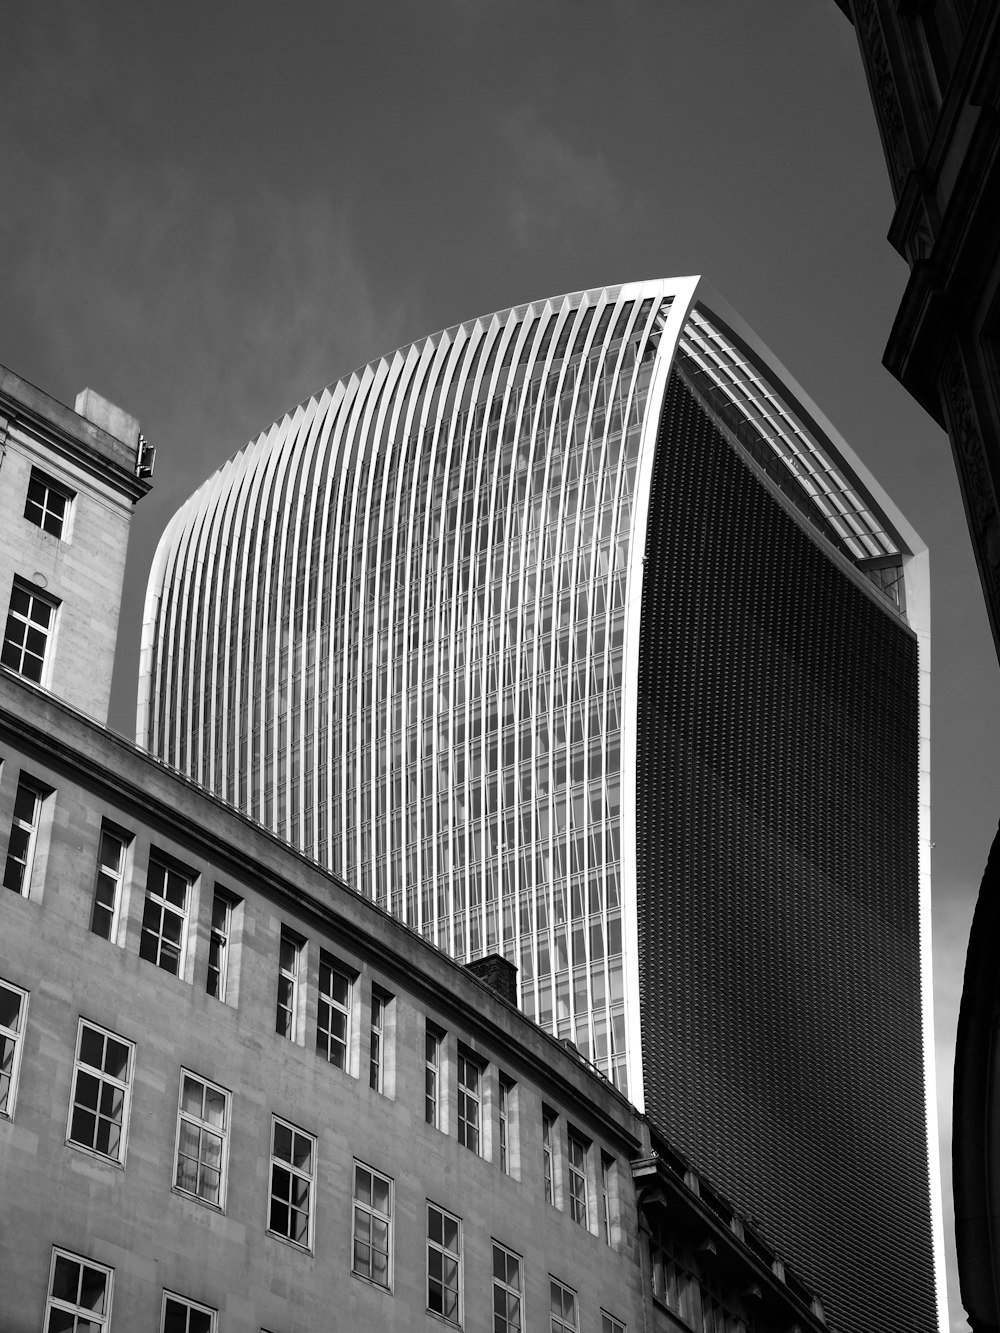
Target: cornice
65	433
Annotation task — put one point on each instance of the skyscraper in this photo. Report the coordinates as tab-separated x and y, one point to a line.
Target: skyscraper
575	633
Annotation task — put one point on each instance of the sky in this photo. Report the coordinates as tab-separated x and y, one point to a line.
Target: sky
210	211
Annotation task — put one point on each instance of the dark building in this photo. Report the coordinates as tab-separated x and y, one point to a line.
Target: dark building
933	69
576	634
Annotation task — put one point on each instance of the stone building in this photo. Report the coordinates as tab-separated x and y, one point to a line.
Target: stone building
237	1097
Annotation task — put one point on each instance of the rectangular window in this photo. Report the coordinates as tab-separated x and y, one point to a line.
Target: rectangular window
30	622
578	1194
609	1324
110	879
432	1077
23	837
180	1315
670	1281
102	1078
562	1308
506	1290
376	1074
372	1225
470	1093
47	503
333	1012
607	1182
548	1121
289	967
444	1264
79	1295
202	1139
13	1011
506	1093
292	1170
165	915
219	944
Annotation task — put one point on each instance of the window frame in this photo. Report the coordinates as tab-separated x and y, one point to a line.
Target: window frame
468	1096
377	1034
15	1038
433	1045
548	1156
220	945
440	1248
191	1307
294	1172
504	1286
203	1127
505	1120
78	1311
114	877
607	1197
374	1214
327	1006
103	1078
26	860
47	631
157	900
611	1324
289	985
579	1178
560	1325
50	486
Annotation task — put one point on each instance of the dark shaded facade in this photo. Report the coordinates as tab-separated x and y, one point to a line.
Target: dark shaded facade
778	930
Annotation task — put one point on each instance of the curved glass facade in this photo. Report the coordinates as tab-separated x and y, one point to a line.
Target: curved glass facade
411	630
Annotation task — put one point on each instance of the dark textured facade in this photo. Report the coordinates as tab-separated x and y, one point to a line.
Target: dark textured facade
778	937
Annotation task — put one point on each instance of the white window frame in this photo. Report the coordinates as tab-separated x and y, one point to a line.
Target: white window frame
367	1213
579	1184
286	1015
61	1304
294	1172
28	827
548	1156
609	1324
104	1080
505	1094
220	942
50	487
11	1045
440	1248
158	903
470	1102
190	1307
559	1323
15	640
336	1049
206	1130
511	1320
110	877
433	1043
376	1063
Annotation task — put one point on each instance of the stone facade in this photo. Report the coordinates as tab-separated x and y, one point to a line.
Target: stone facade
67	494
617	1206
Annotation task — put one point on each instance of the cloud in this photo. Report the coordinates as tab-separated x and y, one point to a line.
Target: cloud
557	186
